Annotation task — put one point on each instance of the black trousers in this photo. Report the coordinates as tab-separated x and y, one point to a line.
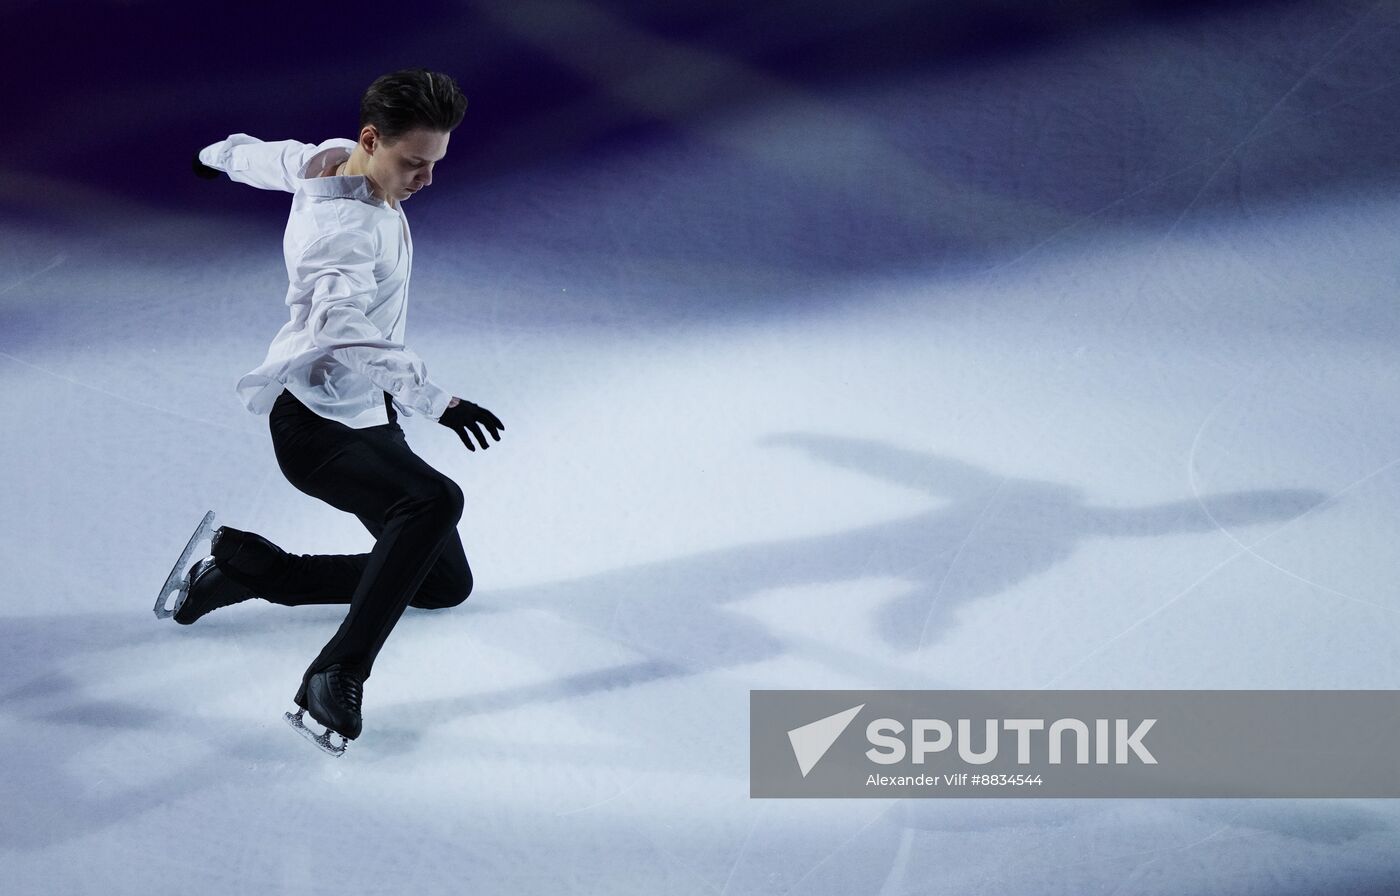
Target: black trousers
411	509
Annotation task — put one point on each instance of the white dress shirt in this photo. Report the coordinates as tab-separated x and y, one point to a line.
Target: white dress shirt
349	256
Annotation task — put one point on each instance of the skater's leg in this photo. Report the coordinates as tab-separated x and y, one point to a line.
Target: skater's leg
285	578
448	583
372	473
295	580
419	507
305	444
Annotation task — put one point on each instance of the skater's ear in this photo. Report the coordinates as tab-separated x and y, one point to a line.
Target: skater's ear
370	139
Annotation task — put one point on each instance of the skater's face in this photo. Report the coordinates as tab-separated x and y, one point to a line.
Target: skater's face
404	166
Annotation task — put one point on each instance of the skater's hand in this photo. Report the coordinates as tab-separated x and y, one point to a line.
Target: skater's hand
203	170
464	417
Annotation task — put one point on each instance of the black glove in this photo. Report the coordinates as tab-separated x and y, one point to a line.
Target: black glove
203	170
465	417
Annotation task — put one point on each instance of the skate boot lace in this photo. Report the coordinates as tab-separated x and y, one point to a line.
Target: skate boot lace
348	689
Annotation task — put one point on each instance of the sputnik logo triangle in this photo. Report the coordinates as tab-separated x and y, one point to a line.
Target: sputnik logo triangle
811	741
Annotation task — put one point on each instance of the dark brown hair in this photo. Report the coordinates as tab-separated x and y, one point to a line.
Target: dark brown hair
400	101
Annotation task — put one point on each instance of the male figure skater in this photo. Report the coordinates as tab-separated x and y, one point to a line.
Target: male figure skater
333	383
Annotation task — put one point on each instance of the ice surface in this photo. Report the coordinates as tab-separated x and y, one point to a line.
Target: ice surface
1076	369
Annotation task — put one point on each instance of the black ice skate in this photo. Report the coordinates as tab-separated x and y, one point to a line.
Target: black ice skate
332	696
204	587
208	588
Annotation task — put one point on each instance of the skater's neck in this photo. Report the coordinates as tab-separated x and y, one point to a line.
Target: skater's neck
355	167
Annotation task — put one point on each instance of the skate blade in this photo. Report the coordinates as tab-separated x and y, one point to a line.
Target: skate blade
178	580
321	740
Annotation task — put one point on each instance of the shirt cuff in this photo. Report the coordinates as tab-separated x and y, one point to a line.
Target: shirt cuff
438	405
220	155
428	400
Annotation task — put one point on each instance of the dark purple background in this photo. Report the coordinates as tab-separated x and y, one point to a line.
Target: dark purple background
1269	100
119	94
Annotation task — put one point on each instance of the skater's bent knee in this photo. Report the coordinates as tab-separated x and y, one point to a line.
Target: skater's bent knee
450	501
442	498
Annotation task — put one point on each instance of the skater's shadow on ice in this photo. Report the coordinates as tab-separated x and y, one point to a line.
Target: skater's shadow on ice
986	534
41	647
76	708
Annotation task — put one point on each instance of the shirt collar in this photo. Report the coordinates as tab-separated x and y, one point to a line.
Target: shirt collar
342	186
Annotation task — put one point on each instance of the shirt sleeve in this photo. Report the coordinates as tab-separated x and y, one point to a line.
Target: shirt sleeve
339	268
248	160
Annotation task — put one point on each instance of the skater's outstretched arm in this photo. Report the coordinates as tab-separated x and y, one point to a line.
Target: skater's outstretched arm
248	160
